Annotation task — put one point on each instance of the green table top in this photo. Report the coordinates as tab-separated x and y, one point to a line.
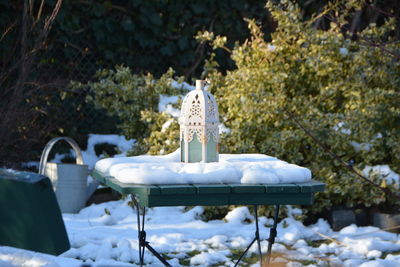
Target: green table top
216	194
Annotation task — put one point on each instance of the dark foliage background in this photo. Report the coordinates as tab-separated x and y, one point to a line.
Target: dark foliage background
147	36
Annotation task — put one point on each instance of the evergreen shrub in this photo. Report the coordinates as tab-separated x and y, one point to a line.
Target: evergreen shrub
133	100
341	87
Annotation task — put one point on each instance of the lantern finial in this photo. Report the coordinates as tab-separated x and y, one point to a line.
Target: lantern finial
200	84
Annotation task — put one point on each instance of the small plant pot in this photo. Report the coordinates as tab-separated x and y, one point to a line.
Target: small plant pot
341	218
387	221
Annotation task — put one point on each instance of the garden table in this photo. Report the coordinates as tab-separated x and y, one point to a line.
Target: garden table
212	195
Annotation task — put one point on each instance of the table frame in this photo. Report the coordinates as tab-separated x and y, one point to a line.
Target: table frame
144	196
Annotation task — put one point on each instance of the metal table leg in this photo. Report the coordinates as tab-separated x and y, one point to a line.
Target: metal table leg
142	236
145	244
271	240
272	235
256	238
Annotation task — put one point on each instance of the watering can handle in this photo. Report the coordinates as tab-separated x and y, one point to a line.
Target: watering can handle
49	146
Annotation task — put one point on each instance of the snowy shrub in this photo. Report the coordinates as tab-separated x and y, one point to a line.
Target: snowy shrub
340	86
343	89
160	140
133	99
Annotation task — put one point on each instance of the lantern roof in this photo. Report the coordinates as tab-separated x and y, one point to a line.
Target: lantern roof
199	107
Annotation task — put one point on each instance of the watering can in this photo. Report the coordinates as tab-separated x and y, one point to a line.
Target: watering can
69	180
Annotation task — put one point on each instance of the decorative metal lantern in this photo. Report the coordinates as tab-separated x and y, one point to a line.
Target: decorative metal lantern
199	122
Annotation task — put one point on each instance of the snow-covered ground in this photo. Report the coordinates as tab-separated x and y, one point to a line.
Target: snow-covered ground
105	235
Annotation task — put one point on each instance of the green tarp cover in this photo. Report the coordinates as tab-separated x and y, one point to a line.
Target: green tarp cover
30	216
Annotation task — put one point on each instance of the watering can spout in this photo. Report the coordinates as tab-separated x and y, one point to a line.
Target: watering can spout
69	180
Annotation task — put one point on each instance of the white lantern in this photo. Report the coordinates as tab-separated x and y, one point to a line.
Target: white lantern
199	122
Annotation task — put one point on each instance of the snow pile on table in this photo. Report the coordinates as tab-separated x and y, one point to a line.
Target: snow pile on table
231	168
105	235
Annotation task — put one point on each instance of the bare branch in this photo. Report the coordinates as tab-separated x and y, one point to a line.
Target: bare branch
19	93
8	29
200	52
39	14
49	21
356	21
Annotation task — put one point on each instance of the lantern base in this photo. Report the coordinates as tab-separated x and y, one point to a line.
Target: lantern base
195	151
